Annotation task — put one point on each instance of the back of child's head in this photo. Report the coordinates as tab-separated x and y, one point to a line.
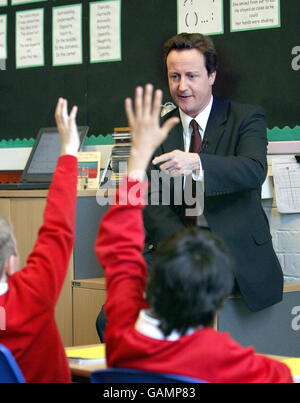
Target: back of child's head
189	279
7	242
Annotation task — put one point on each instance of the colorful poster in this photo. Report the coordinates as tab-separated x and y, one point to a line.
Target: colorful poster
67	35
30	38
105	31
205	16
254	14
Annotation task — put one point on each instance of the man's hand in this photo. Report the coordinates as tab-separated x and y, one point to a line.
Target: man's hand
178	163
67	128
146	133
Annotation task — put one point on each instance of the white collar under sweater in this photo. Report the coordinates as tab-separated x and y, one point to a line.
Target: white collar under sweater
149	326
3	288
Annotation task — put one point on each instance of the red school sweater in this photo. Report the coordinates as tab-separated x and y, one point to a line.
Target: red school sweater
31	332
205	354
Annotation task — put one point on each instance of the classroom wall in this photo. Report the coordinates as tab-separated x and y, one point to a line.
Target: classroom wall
285	230
255	66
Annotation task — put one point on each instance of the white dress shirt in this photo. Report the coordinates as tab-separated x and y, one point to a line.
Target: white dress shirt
149	326
201	119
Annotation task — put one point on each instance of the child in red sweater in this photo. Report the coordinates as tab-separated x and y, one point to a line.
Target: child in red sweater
191	275
28	296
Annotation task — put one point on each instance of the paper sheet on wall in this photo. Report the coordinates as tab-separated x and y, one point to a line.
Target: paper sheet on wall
3	3
17	2
286	174
30	38
105	31
67	35
205	16
254	14
3	40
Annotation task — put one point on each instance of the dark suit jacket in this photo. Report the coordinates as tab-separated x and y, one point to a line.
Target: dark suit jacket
233	157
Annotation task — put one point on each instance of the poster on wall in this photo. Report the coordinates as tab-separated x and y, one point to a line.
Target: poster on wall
30	38
254	14
3	3
3	37
67	35
205	16
105	31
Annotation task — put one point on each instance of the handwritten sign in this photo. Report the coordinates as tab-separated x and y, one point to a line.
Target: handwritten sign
67	35
205	16
30	38
105	31
254	14
3	37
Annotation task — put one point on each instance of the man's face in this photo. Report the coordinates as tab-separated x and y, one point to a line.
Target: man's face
189	83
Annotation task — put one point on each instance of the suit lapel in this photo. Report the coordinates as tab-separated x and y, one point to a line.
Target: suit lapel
215	126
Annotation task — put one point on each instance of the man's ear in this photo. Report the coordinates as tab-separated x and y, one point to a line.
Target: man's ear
212	78
11	265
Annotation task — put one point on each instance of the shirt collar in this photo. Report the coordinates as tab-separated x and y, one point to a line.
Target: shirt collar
201	119
3	288
149	326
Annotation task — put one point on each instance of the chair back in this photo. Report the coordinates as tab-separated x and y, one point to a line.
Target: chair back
9	369
126	375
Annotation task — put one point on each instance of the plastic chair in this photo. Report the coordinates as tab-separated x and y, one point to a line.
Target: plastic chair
124	375
9	369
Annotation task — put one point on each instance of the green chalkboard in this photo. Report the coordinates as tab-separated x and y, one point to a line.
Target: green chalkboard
260	67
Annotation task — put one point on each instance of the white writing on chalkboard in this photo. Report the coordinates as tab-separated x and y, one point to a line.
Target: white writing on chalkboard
296	59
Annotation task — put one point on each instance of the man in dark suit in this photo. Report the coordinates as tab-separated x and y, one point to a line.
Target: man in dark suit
225	153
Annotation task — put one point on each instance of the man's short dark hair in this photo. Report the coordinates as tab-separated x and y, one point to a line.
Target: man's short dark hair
190	277
198	41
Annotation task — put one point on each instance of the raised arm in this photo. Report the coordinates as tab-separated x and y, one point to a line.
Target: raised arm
121	236
67	128
146	133
47	265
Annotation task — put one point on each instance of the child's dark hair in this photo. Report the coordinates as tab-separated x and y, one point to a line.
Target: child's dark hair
190	276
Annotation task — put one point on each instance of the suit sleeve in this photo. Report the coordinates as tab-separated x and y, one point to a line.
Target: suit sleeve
246	167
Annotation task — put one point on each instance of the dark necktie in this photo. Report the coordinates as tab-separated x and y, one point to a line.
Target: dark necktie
195	147
196	140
